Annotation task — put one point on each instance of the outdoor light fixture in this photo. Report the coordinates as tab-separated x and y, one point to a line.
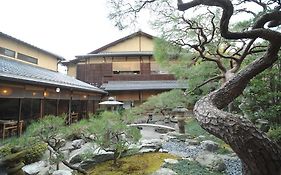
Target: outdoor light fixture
34	93
5	91
45	93
57	90
84	96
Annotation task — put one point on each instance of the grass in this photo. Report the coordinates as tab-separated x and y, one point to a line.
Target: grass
140	164
186	167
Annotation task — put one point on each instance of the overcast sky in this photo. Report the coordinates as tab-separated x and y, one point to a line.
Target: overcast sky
63	27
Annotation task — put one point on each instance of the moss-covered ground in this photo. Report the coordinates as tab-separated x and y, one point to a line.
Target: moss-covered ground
141	164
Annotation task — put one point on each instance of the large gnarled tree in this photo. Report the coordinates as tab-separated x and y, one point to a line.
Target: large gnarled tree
260	155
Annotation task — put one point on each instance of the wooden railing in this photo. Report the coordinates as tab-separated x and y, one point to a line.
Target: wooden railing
149	77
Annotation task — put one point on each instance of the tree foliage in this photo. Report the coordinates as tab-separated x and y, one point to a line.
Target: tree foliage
163	103
262	98
112	133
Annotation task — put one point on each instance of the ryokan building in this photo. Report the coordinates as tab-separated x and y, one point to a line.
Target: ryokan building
31	86
125	69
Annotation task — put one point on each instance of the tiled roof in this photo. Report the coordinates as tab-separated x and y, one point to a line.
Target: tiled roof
144	85
13	70
30	45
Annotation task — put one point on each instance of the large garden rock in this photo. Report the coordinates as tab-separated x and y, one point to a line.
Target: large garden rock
34	168
96	160
76	155
62	172
152	145
209	145
165	171
77	144
211	161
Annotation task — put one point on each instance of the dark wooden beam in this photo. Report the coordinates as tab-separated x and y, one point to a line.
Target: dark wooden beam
69	108
87	111
42	106
57	107
19	118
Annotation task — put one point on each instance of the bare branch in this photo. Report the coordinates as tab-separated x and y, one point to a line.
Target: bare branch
204	83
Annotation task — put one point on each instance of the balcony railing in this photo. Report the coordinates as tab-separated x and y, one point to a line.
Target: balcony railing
138	77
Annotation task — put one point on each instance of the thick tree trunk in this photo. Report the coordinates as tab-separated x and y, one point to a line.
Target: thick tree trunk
259	154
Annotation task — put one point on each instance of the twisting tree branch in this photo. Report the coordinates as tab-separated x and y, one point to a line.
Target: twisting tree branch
204	83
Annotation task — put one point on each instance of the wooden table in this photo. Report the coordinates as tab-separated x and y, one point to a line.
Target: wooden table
10	126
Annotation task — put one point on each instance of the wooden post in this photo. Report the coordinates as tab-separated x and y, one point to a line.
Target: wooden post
42	108
57	107
69	108
87	111
19	118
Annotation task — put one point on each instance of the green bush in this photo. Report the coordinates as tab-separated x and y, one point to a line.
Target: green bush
33	153
5	150
275	134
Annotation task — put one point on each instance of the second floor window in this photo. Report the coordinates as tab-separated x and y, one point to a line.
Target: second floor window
27	58
7	52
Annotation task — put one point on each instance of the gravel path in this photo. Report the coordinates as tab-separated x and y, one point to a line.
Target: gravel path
181	149
233	164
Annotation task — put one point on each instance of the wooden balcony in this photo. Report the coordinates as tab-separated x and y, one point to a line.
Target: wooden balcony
138	77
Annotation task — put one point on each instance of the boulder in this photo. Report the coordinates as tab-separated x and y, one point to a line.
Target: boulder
96	160
163	150
62	172
76	155
152	145
76	159
34	168
211	160
77	144
164	171
147	150
209	145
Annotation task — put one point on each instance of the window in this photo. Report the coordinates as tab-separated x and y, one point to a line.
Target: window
27	58
7	52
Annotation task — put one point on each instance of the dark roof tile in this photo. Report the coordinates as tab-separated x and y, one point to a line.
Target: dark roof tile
13	70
